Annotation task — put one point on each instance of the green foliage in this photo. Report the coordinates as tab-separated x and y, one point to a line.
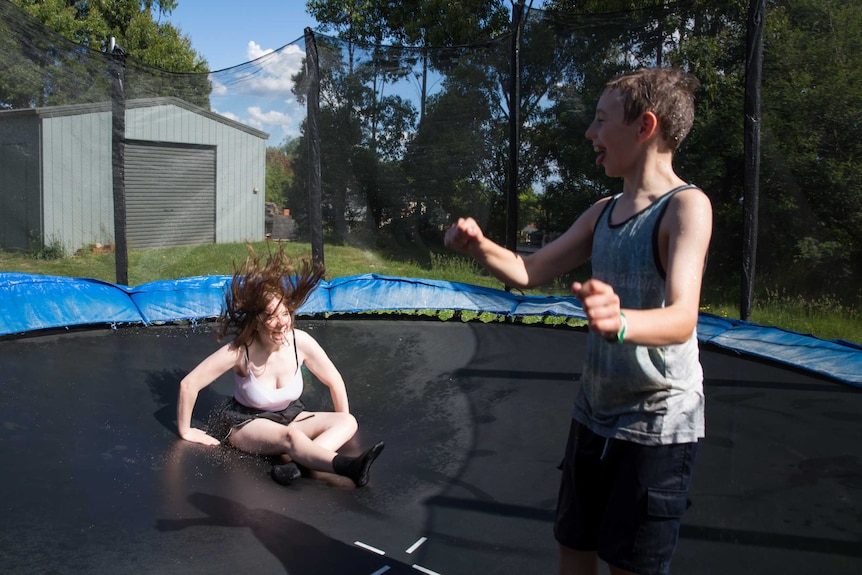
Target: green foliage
44	69
92	23
70	65
161	45
54	250
813	141
279	175
389	178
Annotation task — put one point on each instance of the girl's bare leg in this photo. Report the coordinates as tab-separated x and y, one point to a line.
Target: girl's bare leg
310	441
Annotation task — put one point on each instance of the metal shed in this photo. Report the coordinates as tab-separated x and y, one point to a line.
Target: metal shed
192	176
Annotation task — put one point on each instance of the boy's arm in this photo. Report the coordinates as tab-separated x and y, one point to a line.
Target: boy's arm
466	236
562	255
684	237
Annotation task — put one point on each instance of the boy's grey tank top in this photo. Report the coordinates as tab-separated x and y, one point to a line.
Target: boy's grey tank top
648	395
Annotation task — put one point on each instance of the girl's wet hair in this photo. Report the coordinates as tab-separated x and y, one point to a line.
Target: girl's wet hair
255	283
666	92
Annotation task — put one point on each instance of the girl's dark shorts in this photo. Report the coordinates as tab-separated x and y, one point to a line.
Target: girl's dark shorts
623	500
231	415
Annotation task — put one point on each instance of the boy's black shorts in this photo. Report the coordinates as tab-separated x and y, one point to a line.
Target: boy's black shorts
623	500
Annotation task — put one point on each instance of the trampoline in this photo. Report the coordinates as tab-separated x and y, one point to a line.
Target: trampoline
474	416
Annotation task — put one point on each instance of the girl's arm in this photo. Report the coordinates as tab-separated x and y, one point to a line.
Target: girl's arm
201	376
322	367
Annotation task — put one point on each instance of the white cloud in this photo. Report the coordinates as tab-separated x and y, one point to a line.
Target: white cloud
218	89
259	92
259	118
254	51
269	73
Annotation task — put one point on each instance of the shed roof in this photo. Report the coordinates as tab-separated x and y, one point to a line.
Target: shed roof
98	107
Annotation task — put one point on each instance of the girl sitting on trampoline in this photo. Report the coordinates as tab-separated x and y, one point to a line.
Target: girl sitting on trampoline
266	416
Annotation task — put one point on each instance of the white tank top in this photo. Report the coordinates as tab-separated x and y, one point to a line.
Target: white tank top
251	393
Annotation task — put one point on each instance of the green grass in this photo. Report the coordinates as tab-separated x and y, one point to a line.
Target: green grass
825	318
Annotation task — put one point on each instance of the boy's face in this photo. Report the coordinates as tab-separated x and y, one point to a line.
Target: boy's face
613	139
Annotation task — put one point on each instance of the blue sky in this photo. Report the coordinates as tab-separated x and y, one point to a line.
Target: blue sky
228	33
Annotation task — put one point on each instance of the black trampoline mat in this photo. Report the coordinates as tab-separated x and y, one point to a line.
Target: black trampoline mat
474	416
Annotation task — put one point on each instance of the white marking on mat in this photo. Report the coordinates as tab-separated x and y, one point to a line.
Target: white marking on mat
416	545
424	570
383	569
369	547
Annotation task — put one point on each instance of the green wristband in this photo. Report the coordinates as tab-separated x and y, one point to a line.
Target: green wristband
621	334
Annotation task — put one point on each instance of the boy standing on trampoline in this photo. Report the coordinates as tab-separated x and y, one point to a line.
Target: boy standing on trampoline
640	410
265	416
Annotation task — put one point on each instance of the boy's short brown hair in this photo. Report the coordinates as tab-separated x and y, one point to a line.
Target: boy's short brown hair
666	92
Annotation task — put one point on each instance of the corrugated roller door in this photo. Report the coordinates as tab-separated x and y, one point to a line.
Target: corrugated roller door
170	194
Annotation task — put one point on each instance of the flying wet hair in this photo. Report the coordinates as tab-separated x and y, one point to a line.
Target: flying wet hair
256	282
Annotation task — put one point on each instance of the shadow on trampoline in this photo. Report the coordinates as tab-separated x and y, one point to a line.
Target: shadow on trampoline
298	546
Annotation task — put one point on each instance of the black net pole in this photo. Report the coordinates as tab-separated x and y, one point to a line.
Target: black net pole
118	160
312	135
751	177
514	134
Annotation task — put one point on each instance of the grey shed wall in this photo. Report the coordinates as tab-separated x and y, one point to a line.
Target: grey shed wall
74	158
20	200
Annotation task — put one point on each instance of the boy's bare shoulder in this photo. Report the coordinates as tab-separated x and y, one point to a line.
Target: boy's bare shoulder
600	204
690	209
692	198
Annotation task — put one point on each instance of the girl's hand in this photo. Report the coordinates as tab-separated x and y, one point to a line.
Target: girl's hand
199	436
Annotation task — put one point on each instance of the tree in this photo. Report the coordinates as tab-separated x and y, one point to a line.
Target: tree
41	68
92	23
812	136
67	65
417	173
279	173
427	24
445	163
373	88
604	38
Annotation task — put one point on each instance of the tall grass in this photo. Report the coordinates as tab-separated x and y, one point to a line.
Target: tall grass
826	317
823	317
